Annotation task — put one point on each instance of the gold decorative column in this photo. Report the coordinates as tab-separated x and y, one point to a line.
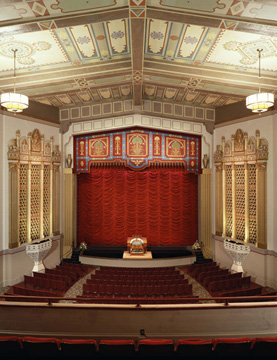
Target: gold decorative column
29	240
51	201
261	205
41	202
68	208
14	200
233	201
246	203
218	200
206	220
56	200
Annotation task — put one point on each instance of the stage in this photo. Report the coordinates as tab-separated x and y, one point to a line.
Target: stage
163	256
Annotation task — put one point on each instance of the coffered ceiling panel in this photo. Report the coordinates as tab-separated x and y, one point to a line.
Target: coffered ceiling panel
78	52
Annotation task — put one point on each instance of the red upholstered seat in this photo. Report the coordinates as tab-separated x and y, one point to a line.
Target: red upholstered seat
10	347
78	349
264	348
117	349
155	348
141	290
41	348
230	348
194	348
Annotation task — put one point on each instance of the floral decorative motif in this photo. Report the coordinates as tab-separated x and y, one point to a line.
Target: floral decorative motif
41	45
247	61
117	35
190	40
231	45
83	246
83	40
26	61
156	35
174	37
196	246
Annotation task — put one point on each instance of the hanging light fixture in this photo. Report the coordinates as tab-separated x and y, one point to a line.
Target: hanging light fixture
13	101
259	102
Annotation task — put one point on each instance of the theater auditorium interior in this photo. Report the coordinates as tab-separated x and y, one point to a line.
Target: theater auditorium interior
138	176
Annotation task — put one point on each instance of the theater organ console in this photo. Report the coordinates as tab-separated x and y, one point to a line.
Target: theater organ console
137	245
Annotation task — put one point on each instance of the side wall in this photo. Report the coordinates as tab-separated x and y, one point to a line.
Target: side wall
260	264
14	263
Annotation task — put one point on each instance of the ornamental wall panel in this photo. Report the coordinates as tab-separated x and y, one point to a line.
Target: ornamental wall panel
137	149
242	183
32	193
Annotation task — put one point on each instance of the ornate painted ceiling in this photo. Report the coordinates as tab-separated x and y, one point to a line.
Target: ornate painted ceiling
78	52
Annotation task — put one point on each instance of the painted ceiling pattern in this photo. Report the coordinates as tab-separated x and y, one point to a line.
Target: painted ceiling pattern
29	9
247	8
74	52
76	45
200	45
86	95
188	96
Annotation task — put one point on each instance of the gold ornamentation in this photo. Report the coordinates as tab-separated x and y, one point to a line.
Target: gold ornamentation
31	194
247	157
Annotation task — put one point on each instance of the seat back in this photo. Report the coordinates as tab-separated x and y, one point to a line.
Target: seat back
10	347
78	349
194	348
41	348
264	348
155	348
116	349
230	348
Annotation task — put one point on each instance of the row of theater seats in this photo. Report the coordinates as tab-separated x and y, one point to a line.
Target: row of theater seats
140	290
141	283
184	299
193	269
58	286
22	291
217	287
210	278
221	283
13	347
137	271
54	282
138	282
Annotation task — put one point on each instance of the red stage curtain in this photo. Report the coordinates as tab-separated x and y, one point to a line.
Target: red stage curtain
114	203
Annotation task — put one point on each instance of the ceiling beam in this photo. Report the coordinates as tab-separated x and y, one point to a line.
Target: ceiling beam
31	24
60	75
137	22
248	81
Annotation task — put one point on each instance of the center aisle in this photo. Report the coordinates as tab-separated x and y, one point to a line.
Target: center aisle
77	288
197	289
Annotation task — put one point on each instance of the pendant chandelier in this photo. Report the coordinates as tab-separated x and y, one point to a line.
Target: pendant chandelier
259	102
13	101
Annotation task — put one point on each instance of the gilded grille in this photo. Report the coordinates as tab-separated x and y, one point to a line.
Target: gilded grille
229	202
35	197
252	204
46	201
240	202
23	203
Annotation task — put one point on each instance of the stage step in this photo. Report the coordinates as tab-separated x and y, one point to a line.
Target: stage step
200	257
74	257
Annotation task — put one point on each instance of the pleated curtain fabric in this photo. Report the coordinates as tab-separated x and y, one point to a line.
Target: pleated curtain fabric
116	202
